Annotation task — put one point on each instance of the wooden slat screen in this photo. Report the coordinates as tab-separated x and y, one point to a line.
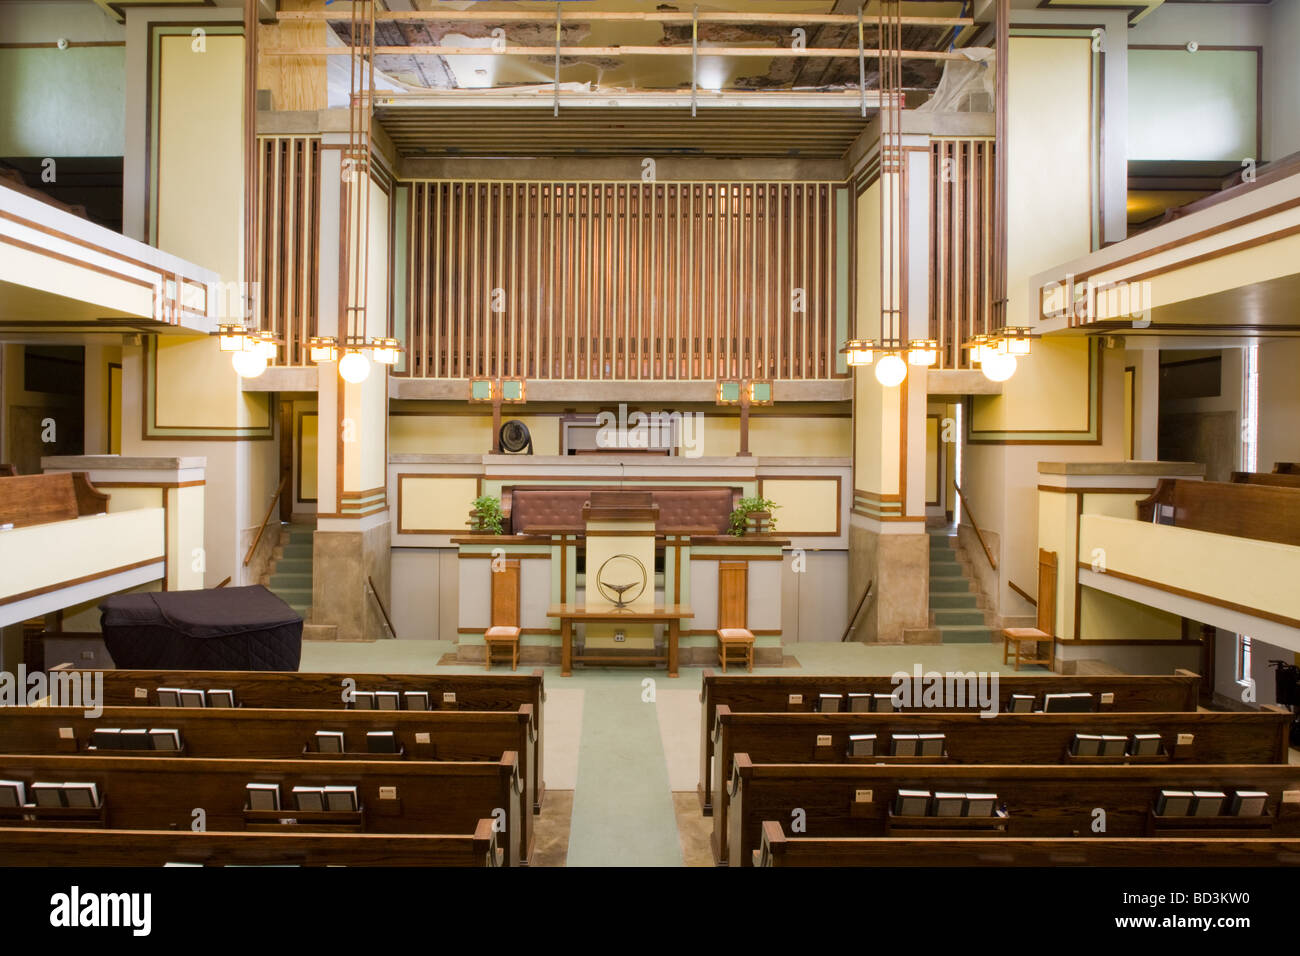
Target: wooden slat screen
621	281
961	210
288	217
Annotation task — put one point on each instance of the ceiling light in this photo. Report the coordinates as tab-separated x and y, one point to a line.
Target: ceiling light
249	363
999	366
354	367
922	352
891	370
858	352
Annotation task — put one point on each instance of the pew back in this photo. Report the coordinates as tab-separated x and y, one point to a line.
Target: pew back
1040	801
156	793
1261	512
1130	693
312	691
38	846
40	499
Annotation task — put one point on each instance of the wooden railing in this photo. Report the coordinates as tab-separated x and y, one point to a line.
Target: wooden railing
853	620
270	510
979	534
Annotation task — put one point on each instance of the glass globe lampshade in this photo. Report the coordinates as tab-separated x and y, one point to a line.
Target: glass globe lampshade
249	363
998	367
891	370
354	367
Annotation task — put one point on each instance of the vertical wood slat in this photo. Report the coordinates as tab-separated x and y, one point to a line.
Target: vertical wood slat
287	227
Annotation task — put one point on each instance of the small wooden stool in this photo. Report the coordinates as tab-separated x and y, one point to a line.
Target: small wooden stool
1015	637
504	630
736	643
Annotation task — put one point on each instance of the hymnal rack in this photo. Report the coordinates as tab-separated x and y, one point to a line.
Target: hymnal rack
898	824
75	817
326	821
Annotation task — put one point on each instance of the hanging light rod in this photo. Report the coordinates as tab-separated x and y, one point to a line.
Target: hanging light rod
768	52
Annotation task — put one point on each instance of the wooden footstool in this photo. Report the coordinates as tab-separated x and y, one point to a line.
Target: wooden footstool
731	639
1014	637
503	637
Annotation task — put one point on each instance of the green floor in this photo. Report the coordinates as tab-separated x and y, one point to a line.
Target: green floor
632	753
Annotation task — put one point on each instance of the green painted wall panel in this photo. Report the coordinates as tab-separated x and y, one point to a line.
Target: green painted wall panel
63	102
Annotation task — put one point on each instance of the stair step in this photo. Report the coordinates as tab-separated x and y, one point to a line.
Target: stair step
954	601
949	584
949	617
290	580
299	551
967	634
937	563
293	566
301	537
293	596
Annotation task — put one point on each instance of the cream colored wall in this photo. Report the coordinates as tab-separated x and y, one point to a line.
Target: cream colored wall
430	504
806	506
1105	616
1279	403
81	548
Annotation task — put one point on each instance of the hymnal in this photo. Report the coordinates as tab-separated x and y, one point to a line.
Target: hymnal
981	804
309	798
48	794
221	698
263	796
363	700
341	798
829	703
884	703
903	745
1174	803
1145	745
13	793
1021	704
930	745
105	738
135	739
329	741
1112	746
164	739
1086	745
168	697
862	745
191	698
81	795
381	742
388	700
1209	803
859	703
912	803
1245	803
949	804
1067	703
417	700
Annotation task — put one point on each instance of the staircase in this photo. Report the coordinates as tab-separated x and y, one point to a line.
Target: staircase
954	600
290	576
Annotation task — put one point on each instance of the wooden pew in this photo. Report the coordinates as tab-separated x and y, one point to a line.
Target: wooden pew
1131	693
38	846
250	733
159	793
1219	738
311	691
779	849
1041	801
40	499
1276	479
1261	512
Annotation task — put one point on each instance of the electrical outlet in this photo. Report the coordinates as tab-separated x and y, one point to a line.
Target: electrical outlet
1186	740
1108	698
620	637
141	693
863	796
422	737
387	793
796	700
823	740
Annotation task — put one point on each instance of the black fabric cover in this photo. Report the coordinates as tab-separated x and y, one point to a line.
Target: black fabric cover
238	629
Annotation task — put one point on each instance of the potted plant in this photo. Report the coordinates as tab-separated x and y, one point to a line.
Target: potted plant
753	516
486	517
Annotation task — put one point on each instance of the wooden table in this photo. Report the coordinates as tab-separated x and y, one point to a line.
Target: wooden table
670	614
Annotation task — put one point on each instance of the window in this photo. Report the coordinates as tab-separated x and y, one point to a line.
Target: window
1249	408
1244	669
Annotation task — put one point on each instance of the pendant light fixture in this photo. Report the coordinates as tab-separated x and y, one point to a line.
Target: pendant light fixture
891	369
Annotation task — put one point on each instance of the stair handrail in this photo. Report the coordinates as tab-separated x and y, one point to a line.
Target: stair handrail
270	509
1021	591
374	593
853	621
979	534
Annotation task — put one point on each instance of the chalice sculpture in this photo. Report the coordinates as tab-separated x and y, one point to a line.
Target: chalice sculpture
628	575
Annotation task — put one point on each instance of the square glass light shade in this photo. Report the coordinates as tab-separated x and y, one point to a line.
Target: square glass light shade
858	352
512	390
979	348
1014	341
231	337
266	344
480	390
922	352
728	393
385	351
323	348
760	393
